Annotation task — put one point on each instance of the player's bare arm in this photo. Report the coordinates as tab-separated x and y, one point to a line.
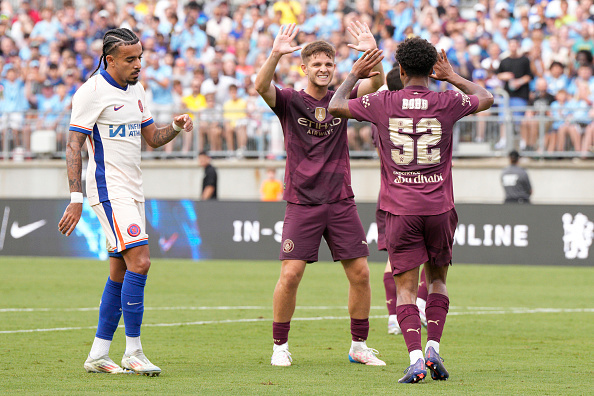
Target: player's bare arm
157	137
362	69
443	71
281	46
73	211
366	41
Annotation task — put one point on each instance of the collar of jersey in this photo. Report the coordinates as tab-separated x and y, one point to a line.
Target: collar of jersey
110	80
417	88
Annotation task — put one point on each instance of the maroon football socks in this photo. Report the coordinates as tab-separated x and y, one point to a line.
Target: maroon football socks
280	332
410	324
359	329
436	312
390	286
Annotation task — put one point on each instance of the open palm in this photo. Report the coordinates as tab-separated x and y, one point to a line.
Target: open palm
282	42
361	33
442	70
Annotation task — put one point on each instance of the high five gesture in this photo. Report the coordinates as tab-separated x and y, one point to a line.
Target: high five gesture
362	33
284	39
283	44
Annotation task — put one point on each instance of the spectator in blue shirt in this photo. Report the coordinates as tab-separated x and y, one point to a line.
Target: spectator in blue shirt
158	78
48	106
190	36
556	78
46	31
401	19
13	104
323	23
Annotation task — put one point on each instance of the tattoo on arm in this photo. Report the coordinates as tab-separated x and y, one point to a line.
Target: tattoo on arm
164	135
74	160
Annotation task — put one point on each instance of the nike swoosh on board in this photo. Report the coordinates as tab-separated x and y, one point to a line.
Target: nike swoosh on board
116	108
18	232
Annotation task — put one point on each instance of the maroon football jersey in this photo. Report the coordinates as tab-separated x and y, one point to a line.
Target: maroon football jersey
318	167
415	143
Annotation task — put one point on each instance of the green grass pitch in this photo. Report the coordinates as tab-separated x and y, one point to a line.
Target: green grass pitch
512	330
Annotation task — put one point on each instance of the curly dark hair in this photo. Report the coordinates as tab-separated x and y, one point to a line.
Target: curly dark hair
416	56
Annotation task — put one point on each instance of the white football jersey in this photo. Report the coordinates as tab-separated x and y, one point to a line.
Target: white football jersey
112	117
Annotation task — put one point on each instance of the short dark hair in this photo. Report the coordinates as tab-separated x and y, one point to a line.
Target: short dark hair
393	79
514	156
203	153
416	56
588	54
557	63
316	47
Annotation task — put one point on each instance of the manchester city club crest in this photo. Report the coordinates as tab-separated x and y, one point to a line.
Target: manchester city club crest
140	106
320	114
288	245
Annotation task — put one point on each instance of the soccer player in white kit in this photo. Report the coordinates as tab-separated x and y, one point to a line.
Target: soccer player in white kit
109	113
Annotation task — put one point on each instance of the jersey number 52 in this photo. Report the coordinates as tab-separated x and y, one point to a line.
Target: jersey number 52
401	130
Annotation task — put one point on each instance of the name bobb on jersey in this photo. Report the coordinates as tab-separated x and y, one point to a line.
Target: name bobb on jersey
113	117
318	165
415	143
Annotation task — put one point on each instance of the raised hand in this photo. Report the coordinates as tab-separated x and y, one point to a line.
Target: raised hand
362	68
282	42
442	70
361	33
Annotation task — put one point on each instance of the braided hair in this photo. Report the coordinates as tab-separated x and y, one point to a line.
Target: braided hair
114	39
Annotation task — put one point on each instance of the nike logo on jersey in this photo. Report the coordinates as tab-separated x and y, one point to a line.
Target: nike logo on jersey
116	108
136	303
19	232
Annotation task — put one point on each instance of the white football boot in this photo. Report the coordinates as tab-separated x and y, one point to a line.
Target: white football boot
139	363
281	355
102	365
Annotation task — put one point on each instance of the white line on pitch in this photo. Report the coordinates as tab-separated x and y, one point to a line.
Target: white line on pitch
222	308
235	307
204	322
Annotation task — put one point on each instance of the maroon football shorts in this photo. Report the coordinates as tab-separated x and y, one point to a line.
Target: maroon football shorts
380	220
414	240
337	222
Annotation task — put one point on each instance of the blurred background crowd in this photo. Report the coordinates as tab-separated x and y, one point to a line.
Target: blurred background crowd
201	57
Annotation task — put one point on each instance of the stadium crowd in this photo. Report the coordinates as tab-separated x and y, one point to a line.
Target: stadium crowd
201	57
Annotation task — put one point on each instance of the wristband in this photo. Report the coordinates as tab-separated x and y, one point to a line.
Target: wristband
76	197
175	127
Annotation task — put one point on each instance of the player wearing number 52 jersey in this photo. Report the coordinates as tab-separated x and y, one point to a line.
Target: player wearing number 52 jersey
415	143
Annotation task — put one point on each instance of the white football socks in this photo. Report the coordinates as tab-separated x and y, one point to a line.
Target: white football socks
284	346
358	345
100	348
132	345
433	344
416	355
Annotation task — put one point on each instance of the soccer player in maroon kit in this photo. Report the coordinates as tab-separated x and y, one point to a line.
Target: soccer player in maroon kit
394	84
415	130
318	190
